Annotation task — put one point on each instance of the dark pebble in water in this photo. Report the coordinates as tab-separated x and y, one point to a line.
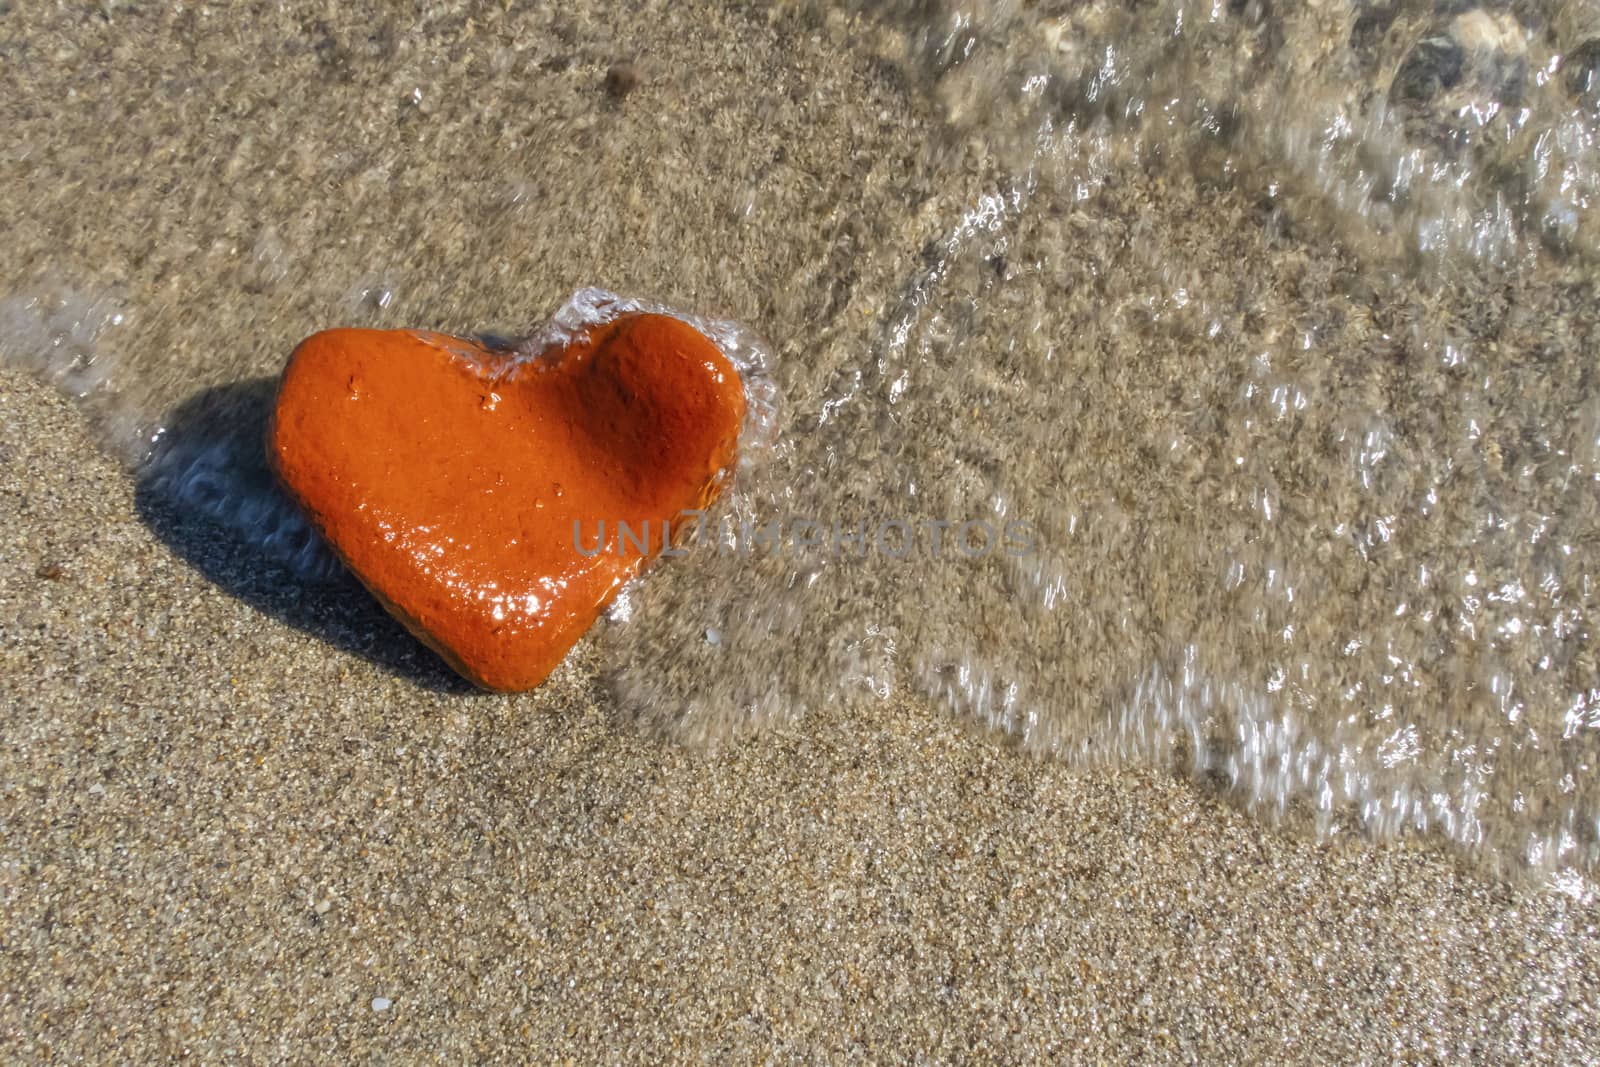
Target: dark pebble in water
621	79
1372	22
1253	12
1431	67
1582	70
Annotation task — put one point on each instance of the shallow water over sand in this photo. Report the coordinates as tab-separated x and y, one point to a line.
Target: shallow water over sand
1316	517
1275	329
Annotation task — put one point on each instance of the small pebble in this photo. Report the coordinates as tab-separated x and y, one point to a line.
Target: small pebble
621	79
381	1003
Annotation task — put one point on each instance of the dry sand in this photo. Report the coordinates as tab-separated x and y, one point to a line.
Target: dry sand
248	818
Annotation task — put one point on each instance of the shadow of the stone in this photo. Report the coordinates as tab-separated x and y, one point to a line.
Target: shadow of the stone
207	492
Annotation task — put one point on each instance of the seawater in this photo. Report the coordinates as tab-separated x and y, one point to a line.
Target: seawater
1314	507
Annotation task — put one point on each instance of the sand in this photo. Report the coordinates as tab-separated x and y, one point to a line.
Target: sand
225	838
245	816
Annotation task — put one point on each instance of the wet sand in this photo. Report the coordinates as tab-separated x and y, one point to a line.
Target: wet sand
224	836
246	816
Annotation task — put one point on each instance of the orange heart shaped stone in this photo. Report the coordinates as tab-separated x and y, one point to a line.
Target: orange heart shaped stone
466	487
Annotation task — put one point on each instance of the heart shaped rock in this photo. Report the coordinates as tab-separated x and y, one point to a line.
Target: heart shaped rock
479	495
